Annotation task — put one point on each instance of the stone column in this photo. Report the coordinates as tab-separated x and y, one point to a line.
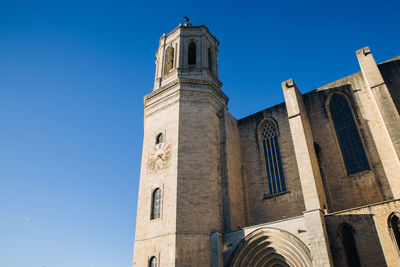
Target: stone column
310	177
383	118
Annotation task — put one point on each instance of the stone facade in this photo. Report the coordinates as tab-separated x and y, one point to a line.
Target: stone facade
281	187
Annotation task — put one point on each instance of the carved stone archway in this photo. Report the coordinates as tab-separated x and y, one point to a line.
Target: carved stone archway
271	247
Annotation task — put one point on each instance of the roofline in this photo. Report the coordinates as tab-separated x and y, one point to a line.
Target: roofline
191	26
326	86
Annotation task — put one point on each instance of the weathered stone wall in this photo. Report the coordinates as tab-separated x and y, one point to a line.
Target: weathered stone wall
234	167
199	202
185	106
342	191
190	178
373	241
154	237
162	247
212	171
286	205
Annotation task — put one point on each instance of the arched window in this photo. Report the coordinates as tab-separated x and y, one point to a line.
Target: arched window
192	53
170	59
156	204
153	262
269	135
394	228
347	135
349	244
210	59
159	138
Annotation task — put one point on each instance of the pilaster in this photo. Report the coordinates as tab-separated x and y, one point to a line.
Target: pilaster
383	118
318	239
310	177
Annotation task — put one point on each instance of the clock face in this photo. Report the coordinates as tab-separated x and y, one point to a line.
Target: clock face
159	156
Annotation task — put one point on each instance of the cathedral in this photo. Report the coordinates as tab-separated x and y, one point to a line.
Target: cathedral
312	181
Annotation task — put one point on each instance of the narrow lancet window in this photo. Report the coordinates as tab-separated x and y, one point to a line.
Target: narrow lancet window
274	172
192	53
210	59
170	58
159	138
156	204
352	149
349	244
394	227
153	262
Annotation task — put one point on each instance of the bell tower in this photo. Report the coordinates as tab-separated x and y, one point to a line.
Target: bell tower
180	193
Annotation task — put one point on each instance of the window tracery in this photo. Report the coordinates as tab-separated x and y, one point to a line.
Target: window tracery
350	143
273	165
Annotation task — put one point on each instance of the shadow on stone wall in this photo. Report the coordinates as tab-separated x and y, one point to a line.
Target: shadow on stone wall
365	235
391	74
343	191
231	241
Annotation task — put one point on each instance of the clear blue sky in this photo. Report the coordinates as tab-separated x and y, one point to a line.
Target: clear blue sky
72	79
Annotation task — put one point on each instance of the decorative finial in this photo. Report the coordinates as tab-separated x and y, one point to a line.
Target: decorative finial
186	19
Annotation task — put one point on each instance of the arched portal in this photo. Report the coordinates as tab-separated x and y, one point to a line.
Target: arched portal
394	229
271	247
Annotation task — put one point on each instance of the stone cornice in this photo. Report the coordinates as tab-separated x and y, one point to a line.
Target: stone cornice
193	83
183	91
